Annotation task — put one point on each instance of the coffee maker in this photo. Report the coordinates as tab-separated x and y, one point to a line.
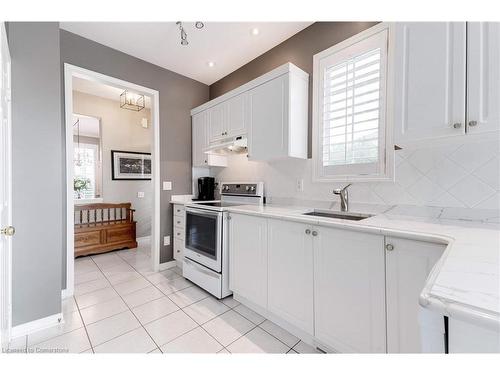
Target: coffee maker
206	189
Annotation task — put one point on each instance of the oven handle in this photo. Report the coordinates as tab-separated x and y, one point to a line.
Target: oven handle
203	212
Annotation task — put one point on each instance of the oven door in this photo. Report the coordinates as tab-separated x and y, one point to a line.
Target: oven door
203	241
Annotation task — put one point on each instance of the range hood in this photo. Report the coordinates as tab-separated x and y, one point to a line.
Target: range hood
236	145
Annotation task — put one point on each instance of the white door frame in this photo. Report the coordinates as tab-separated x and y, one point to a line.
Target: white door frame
71	71
6	290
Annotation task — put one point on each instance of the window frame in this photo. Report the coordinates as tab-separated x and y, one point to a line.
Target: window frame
354	172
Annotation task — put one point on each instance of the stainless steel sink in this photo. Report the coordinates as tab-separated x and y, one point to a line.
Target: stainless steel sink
338	215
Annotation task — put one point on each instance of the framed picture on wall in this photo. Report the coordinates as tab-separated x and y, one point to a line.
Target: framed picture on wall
129	165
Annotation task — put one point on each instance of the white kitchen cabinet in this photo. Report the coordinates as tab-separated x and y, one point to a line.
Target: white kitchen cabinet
227	119
235	123
200	143
278	118
430	80
179	222
483	76
290	273
248	257
349	290
408	263
216	122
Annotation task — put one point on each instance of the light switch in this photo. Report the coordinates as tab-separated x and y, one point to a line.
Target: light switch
140	194
166	240
167	185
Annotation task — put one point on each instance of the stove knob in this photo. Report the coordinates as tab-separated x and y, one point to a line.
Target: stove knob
247	188
252	188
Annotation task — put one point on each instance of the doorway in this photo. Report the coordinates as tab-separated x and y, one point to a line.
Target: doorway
96	183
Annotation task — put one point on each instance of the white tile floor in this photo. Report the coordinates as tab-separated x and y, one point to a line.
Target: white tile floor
122	306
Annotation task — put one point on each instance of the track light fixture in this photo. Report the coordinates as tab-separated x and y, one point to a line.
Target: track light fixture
198	24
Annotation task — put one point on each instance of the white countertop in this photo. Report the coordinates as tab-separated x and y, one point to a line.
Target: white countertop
181	199
464	283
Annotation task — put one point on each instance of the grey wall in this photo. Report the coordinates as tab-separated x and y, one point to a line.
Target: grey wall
178	95
37	196
299	50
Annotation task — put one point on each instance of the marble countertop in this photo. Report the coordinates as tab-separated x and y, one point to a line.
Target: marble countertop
464	283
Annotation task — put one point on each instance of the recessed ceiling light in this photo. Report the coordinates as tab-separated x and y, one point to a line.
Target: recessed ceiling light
210	64
255	31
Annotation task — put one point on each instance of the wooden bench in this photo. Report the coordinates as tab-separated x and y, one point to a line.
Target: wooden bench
103	227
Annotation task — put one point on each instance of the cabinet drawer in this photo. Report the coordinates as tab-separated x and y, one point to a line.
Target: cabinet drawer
178	249
179	221
179	210
179	233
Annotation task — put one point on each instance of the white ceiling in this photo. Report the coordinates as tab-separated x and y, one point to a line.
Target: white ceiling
229	44
100	89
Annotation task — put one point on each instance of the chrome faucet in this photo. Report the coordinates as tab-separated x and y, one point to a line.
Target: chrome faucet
344	197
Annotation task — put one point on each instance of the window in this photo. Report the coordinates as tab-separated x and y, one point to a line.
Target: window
349	116
87	171
85	160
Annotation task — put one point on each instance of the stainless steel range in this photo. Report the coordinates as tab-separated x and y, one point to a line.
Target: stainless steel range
206	243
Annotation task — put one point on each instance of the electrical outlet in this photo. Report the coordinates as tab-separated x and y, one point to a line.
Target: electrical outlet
167	185
140	194
300	185
166	240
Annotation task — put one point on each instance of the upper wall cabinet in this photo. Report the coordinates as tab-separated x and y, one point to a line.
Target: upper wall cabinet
271	111
429	73
483	76
446	79
278	118
200	143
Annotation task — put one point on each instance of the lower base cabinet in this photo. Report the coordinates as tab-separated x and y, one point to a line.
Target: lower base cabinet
290	273
408	263
349	290
248	257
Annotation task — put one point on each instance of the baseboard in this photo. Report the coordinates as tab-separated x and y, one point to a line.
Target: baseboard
143	239
167	265
36	325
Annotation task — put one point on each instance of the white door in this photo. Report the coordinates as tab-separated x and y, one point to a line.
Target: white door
290	264
483	76
408	264
349	290
248	257
430	79
199	139
236	116
216	123
268	118
5	192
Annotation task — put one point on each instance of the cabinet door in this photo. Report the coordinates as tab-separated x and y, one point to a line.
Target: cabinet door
483	76
199	139
407	268
290	276
349	290
268	118
248	257
216	122
429	74
236	116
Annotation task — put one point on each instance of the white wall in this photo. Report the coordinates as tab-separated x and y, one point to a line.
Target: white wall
463	172
121	130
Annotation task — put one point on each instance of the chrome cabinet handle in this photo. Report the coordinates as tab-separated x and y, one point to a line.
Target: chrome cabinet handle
457	125
314	233
472	123
389	247
308	231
